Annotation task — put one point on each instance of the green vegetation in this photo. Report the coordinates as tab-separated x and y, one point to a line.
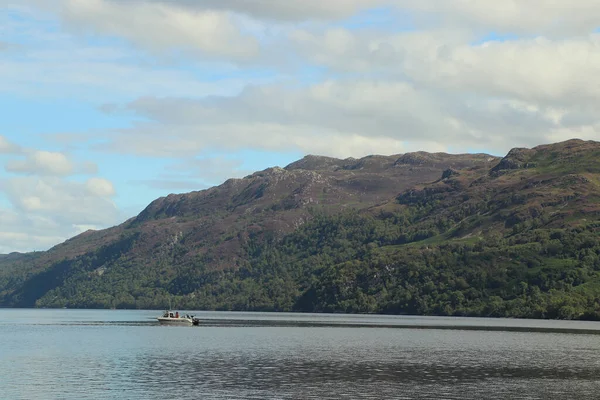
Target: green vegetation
519	240
353	263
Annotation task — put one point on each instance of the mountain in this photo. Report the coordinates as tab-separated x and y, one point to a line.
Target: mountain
417	233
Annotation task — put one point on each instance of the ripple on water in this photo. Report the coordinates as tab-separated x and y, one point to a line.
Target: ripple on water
127	360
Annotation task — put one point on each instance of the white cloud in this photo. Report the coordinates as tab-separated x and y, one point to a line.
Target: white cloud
556	17
333	118
23	232
87	168
29	231
63	64
78	73
346	118
209	170
512	16
495	95
42	163
44	207
100	187
349	88
196	174
47	210
509	16
380	91
7	147
84	228
285	10
538	70
584	132
372	52
161	26
48	163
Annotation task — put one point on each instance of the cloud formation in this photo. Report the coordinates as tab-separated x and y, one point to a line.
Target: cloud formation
284	10
198	79
7	147
100	187
161	26
512	16
337	118
42	163
50	209
46	205
537	17
48	163
192	174
21	232
463	75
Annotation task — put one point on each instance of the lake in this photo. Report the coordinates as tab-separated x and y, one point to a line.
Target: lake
125	354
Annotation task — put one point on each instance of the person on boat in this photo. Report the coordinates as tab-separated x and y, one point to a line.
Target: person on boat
176	314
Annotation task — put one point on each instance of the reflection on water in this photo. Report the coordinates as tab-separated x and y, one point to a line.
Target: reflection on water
74	354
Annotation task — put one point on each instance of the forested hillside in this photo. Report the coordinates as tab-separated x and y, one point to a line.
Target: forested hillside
418	233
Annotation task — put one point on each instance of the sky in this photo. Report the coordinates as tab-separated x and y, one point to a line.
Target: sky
106	105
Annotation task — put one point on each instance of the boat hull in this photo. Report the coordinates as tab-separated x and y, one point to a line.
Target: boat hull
175	321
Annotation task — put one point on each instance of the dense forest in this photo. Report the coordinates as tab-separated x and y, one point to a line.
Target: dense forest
519	239
360	264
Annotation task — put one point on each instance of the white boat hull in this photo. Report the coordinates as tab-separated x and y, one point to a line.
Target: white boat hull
174	318
175	321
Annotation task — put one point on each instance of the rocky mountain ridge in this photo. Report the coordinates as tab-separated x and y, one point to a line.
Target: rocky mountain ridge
428	198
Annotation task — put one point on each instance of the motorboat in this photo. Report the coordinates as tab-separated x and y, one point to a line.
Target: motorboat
173	318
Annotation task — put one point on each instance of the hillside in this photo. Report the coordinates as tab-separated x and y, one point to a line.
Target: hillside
417	233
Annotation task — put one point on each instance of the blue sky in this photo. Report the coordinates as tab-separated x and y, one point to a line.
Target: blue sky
102	112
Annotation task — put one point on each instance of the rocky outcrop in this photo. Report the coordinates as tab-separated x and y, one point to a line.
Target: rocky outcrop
517	158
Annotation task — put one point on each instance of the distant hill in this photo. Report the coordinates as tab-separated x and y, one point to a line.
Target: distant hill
417	233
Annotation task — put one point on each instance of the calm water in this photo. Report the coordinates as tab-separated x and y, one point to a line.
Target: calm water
82	354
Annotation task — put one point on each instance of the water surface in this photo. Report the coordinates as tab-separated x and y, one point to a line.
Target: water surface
121	354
